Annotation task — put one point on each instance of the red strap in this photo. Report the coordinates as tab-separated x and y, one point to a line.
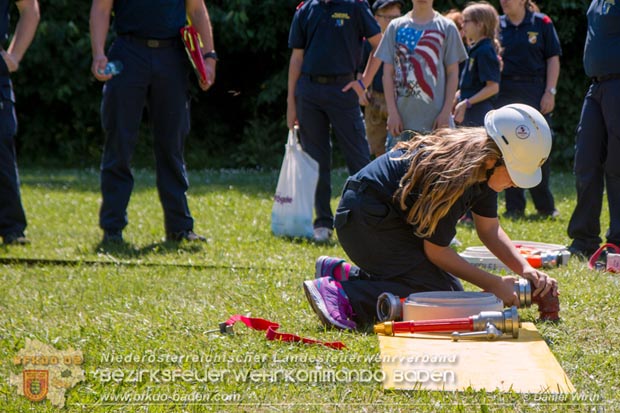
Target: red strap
271	327
594	257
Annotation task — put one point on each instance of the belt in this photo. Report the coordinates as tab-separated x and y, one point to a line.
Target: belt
604	78
364	187
330	79
153	43
519	78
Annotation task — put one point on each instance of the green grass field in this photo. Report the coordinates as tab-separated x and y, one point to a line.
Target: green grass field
158	301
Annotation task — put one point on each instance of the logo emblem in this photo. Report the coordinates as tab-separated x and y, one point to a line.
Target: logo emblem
47	373
522	132
36	384
532	37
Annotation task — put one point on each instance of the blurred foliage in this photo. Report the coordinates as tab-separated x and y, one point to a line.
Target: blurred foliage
240	122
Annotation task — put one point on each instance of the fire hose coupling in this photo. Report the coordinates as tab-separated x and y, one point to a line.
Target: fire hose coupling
390	306
489	324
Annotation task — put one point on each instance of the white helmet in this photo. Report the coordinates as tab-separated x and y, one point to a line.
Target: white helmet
524	138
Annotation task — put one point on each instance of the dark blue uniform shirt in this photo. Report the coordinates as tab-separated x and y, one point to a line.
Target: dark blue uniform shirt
152	19
4	21
602	50
331	34
385	172
528	45
482	66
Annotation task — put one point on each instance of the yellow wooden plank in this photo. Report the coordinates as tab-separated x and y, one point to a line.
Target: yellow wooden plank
435	362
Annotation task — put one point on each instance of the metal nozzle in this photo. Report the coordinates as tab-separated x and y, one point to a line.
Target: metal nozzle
506	321
385	328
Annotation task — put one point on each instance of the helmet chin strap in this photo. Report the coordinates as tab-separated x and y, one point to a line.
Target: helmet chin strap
498	162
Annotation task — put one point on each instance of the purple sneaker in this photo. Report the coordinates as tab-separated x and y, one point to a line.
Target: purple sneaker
334	267
330	303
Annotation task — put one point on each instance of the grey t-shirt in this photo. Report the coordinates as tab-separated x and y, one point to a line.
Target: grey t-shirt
420	55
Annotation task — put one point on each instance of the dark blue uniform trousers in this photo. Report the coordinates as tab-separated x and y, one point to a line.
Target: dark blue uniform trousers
391	258
474	116
318	106
597	164
157	79
12	216
528	93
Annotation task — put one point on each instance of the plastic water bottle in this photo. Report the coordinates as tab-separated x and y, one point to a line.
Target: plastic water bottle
113	68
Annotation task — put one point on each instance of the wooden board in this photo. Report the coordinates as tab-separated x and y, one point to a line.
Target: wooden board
435	362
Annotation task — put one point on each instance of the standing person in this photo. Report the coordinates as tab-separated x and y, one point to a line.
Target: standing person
397	216
531	56
457	18
12	216
375	112
326	37
481	75
421	52
155	74
598	135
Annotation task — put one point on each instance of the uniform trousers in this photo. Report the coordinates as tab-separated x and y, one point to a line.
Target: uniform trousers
597	165
529	93
158	79
12	216
319	106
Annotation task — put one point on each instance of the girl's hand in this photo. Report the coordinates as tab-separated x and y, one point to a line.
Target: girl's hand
459	111
505	291
541	281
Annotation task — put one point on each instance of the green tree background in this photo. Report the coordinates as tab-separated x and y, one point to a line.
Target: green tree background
240	122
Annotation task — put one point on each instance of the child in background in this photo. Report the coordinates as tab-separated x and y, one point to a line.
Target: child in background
375	113
481	75
457	18
421	52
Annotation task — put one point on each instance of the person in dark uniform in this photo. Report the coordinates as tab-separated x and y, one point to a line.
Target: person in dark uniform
155	74
326	37
531	58
397	216
597	163
12	216
480	77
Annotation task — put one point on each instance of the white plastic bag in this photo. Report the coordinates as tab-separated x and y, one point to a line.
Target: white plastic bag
293	202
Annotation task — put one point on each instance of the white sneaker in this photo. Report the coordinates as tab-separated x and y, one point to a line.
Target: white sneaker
322	234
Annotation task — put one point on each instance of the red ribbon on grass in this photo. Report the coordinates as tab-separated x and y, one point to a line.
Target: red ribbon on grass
270	327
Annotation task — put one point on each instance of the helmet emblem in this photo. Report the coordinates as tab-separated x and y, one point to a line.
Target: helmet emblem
522	132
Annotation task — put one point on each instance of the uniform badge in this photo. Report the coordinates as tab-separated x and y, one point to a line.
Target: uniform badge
340	18
607	6
471	64
35	384
522	132
532	37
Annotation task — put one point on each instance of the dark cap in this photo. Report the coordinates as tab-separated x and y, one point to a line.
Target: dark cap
379	4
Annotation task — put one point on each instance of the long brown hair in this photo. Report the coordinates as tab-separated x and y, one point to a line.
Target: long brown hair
485	14
443	165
